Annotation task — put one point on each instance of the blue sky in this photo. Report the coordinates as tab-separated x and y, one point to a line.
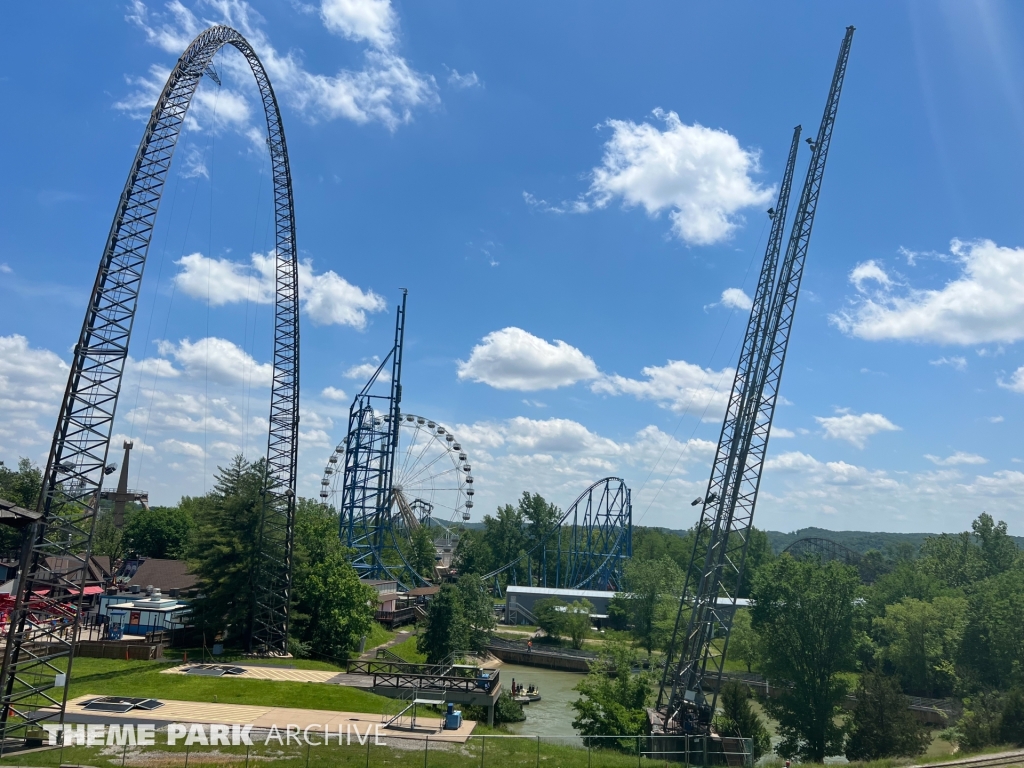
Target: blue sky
574	196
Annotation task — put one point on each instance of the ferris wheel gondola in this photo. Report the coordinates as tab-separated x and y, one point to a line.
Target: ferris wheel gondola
432	482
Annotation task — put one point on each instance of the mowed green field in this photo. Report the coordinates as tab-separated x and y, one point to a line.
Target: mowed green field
114	677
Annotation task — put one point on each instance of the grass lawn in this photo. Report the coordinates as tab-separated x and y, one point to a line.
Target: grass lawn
378	636
407	650
113	677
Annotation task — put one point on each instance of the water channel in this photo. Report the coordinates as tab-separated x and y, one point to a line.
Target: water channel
552	715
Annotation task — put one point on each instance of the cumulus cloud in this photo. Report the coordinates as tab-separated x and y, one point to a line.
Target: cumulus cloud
678	385
385	90
333	393
32	383
364	371
855	428
326	298
516	359
221	360
374	21
735	298
701	176
957	458
985	303
559	458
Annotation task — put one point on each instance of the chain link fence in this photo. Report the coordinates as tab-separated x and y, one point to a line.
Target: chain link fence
392	751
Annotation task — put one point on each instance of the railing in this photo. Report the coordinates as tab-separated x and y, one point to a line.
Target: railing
388	655
551	650
459	683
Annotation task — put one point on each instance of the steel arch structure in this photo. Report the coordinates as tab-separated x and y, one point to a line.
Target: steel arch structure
45	621
587	548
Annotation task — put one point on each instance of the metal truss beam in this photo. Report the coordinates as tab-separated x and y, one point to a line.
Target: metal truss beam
44	624
691	684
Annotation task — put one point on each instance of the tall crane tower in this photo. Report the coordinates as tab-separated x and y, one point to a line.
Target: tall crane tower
696	654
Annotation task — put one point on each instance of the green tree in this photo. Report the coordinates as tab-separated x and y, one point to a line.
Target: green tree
550	613
803	614
998	550
920	641
1011	719
576	623
107	538
979	726
645	582
446	629
993	645
539	518
882	724
471	553
613	699
225	557
907	579
20	486
478	609
332	609
422	552
953	558
162	532
743	641
503	536
738	719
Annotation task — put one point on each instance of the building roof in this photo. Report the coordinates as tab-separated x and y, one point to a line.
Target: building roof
551	592
98	570
165	575
16	517
423	591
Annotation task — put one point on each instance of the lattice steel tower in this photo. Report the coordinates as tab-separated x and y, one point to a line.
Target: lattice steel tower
45	621
696	656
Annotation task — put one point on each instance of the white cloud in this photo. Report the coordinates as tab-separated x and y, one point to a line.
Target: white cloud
333	393
5	269
855	428
183	448
702	176
559	458
957	363
1016	382
957	458
681	386
869	271
221	360
515	359
984	304
468	80
364	371
371	20
32	383
327	298
782	433
735	298
386	89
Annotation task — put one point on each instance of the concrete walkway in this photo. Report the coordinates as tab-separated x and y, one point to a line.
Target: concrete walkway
265	717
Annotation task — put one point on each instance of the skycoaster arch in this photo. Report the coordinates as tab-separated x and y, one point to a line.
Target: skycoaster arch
592	542
44	624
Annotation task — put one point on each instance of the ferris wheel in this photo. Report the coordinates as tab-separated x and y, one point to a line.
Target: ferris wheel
432	481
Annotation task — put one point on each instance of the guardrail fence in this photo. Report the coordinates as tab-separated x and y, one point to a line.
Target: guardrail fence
377	749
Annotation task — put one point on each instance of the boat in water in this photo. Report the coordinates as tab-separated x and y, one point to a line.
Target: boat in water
526	695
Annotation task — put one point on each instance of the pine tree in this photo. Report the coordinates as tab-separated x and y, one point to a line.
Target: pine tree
446	629
882	724
740	720
225	557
